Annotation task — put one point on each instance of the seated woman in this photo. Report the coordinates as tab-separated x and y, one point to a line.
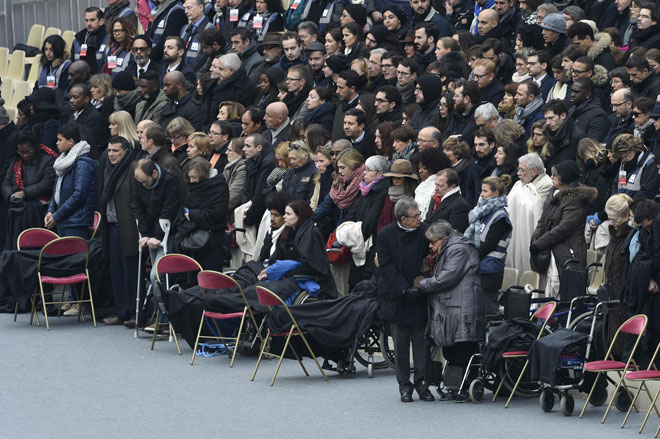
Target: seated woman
431	161
118	55
299	180
103	97
458	152
404	143
45	117
54	64
198	146
232	113
204	209
28	186
282	164
320	108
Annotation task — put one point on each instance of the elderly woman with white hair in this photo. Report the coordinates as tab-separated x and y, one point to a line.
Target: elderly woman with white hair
367	209
525	205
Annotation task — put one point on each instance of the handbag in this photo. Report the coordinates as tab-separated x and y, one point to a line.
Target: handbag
340	257
197	240
540	261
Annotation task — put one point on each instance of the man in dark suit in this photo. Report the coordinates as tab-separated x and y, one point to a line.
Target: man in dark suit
355	122
173	60
259	163
142	61
92	126
537	66
169	19
181	103
278	123
448	203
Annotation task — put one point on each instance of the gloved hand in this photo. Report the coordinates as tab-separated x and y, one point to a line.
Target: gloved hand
533	249
595	219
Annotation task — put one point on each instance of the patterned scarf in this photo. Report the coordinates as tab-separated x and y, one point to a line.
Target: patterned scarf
366	187
483	208
18	170
345	192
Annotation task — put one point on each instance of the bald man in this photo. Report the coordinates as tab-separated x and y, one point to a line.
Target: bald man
621	120
180	102
429	137
278	123
487	26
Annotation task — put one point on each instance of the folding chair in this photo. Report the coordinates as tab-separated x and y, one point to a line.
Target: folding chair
635	325
52	31
4	61
68	36
33	75
213	280
67	246
650	374
34	238
270	299
95	225
36	36
7	89
544	314
16	68
173	263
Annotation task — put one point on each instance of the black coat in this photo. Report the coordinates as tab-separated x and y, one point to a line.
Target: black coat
493	92
257	169
453	209
299	182
237	88
478	169
649	37
188	108
648	88
282	136
400	256
562	144
93	129
171	23
368	208
463	124
619	126
589	120
161	201
323	115
366	145
154	66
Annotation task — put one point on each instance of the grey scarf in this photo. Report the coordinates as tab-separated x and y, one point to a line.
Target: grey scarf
483	208
406	90
522	114
396	193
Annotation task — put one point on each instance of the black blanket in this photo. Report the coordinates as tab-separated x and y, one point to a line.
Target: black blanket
513	335
544	353
18	275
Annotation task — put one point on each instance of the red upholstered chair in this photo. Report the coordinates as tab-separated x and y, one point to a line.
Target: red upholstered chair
642	376
67	246
270	299
636	325
34	238
213	280
173	263
544	314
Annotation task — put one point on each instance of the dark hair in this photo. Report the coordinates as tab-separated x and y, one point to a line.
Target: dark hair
621	73
156	133
335	32
297	126
144	38
256	114
86	91
291	36
120	140
557	106
651	7
430	29
180	45
433	159
391	94
302	210
367	102
580	30
587	83
464	39
324	93
573	52
355	29
277	201
451	175
360	115
385	129
512	152
410	63
470	89
25	138
70	130
643	209
587	61
351	77
645	105
404	133
274	6
58	46
225	127
443	124
532	88
638	62
150	75
543	56
99	12
614	34
242	32
209	36
317	136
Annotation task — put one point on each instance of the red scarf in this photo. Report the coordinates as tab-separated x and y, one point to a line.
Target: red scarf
436	201
18	170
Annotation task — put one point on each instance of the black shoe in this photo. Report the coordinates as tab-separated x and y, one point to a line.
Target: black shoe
448	395
426	396
406	397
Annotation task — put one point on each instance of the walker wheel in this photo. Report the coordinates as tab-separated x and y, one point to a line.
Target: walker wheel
567	404
370	366
546	400
599	397
622	401
476	391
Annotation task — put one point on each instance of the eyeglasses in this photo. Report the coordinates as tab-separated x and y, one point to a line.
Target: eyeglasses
523	170
400	73
417	215
578	72
636	114
215	133
140	49
334	153
118	31
531	63
619	104
479	76
386	66
379	101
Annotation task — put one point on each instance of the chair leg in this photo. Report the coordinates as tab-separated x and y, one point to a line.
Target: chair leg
261	354
522	372
646	418
15	311
91	300
279	362
176	339
632	404
295	354
221	337
33	309
238	339
506	374
616	390
156	327
43	303
593	387
199	331
325	377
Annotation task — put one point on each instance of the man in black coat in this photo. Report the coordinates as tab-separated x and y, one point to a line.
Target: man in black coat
466	100
169	19
448	203
278	123
389	106
141	61
481	165
490	87
401	249
181	103
174	61
355	129
93	128
645	82
234	84
91	39
621	117
427	95
560	132
259	164
588	117
8	133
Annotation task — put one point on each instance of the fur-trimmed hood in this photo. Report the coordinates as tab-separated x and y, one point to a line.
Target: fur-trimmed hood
602	42
600	76
586	194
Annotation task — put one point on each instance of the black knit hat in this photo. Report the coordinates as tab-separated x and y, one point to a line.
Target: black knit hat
123	81
400	14
338	62
379	32
568	171
431	86
358	13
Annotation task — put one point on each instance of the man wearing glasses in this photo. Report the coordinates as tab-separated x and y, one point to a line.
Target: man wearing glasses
406	74
621	118
141	61
388	64
389	107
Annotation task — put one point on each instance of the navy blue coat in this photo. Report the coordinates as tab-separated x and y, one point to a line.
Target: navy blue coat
77	194
323	115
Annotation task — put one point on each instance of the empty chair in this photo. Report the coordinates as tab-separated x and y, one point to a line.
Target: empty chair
510	277
34	69
21	89
591	256
7	88
36	36
530	278
597	277
4	61
68	37
16	68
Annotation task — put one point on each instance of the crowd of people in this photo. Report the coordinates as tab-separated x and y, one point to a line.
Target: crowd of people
427	144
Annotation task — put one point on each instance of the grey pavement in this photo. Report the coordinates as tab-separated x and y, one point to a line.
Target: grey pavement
78	382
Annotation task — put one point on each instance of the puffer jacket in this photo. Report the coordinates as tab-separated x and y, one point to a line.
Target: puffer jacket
77	194
299	182
561	227
589	120
457	311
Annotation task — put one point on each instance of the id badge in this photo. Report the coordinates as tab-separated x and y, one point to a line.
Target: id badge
258	22
83	50
50	81
194	47
622	178
112	62
295	4
233	15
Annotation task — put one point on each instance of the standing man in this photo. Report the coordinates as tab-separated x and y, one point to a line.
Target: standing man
529	105
169	19
401	249
89	44
246	49
621	118
426	37
194	56
173	61
259	163
423	12
491	89
389	107
448	203
141	61
588	117
298	88
354	127
466	99
537	67
375	77
316	56
347	84
234	85
89	120
293	54
481	165
181	103
153	98
278	124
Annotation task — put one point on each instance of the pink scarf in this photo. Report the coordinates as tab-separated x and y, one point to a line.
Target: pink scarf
366	187
345	192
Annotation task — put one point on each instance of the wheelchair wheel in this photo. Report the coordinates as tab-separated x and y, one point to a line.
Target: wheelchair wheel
387	345
370	369
599	397
577	320
546	400
368	351
525	387
567	404
622	400
476	391
304	297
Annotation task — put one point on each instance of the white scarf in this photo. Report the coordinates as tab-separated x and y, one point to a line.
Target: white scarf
64	162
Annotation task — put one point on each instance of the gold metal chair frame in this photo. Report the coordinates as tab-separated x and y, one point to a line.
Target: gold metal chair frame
294	330
648	393
247	310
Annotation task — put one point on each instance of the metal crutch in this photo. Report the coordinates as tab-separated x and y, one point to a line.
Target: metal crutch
137	289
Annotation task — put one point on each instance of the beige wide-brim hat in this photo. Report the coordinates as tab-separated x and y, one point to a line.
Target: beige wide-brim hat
401	168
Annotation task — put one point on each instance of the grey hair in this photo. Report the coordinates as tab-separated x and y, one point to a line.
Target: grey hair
258	139
533	160
486	111
231	61
342	143
377	51
309	26
403	207
548	8
378	163
439	230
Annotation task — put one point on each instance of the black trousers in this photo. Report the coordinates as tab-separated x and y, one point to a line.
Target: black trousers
491	284
403	336
123	270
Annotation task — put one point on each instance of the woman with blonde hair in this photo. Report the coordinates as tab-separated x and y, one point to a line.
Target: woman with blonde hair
282	164
538	142
235	173
178	131
324	176
591	158
198	146
618	211
509	129
121	124
103	96
232	112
